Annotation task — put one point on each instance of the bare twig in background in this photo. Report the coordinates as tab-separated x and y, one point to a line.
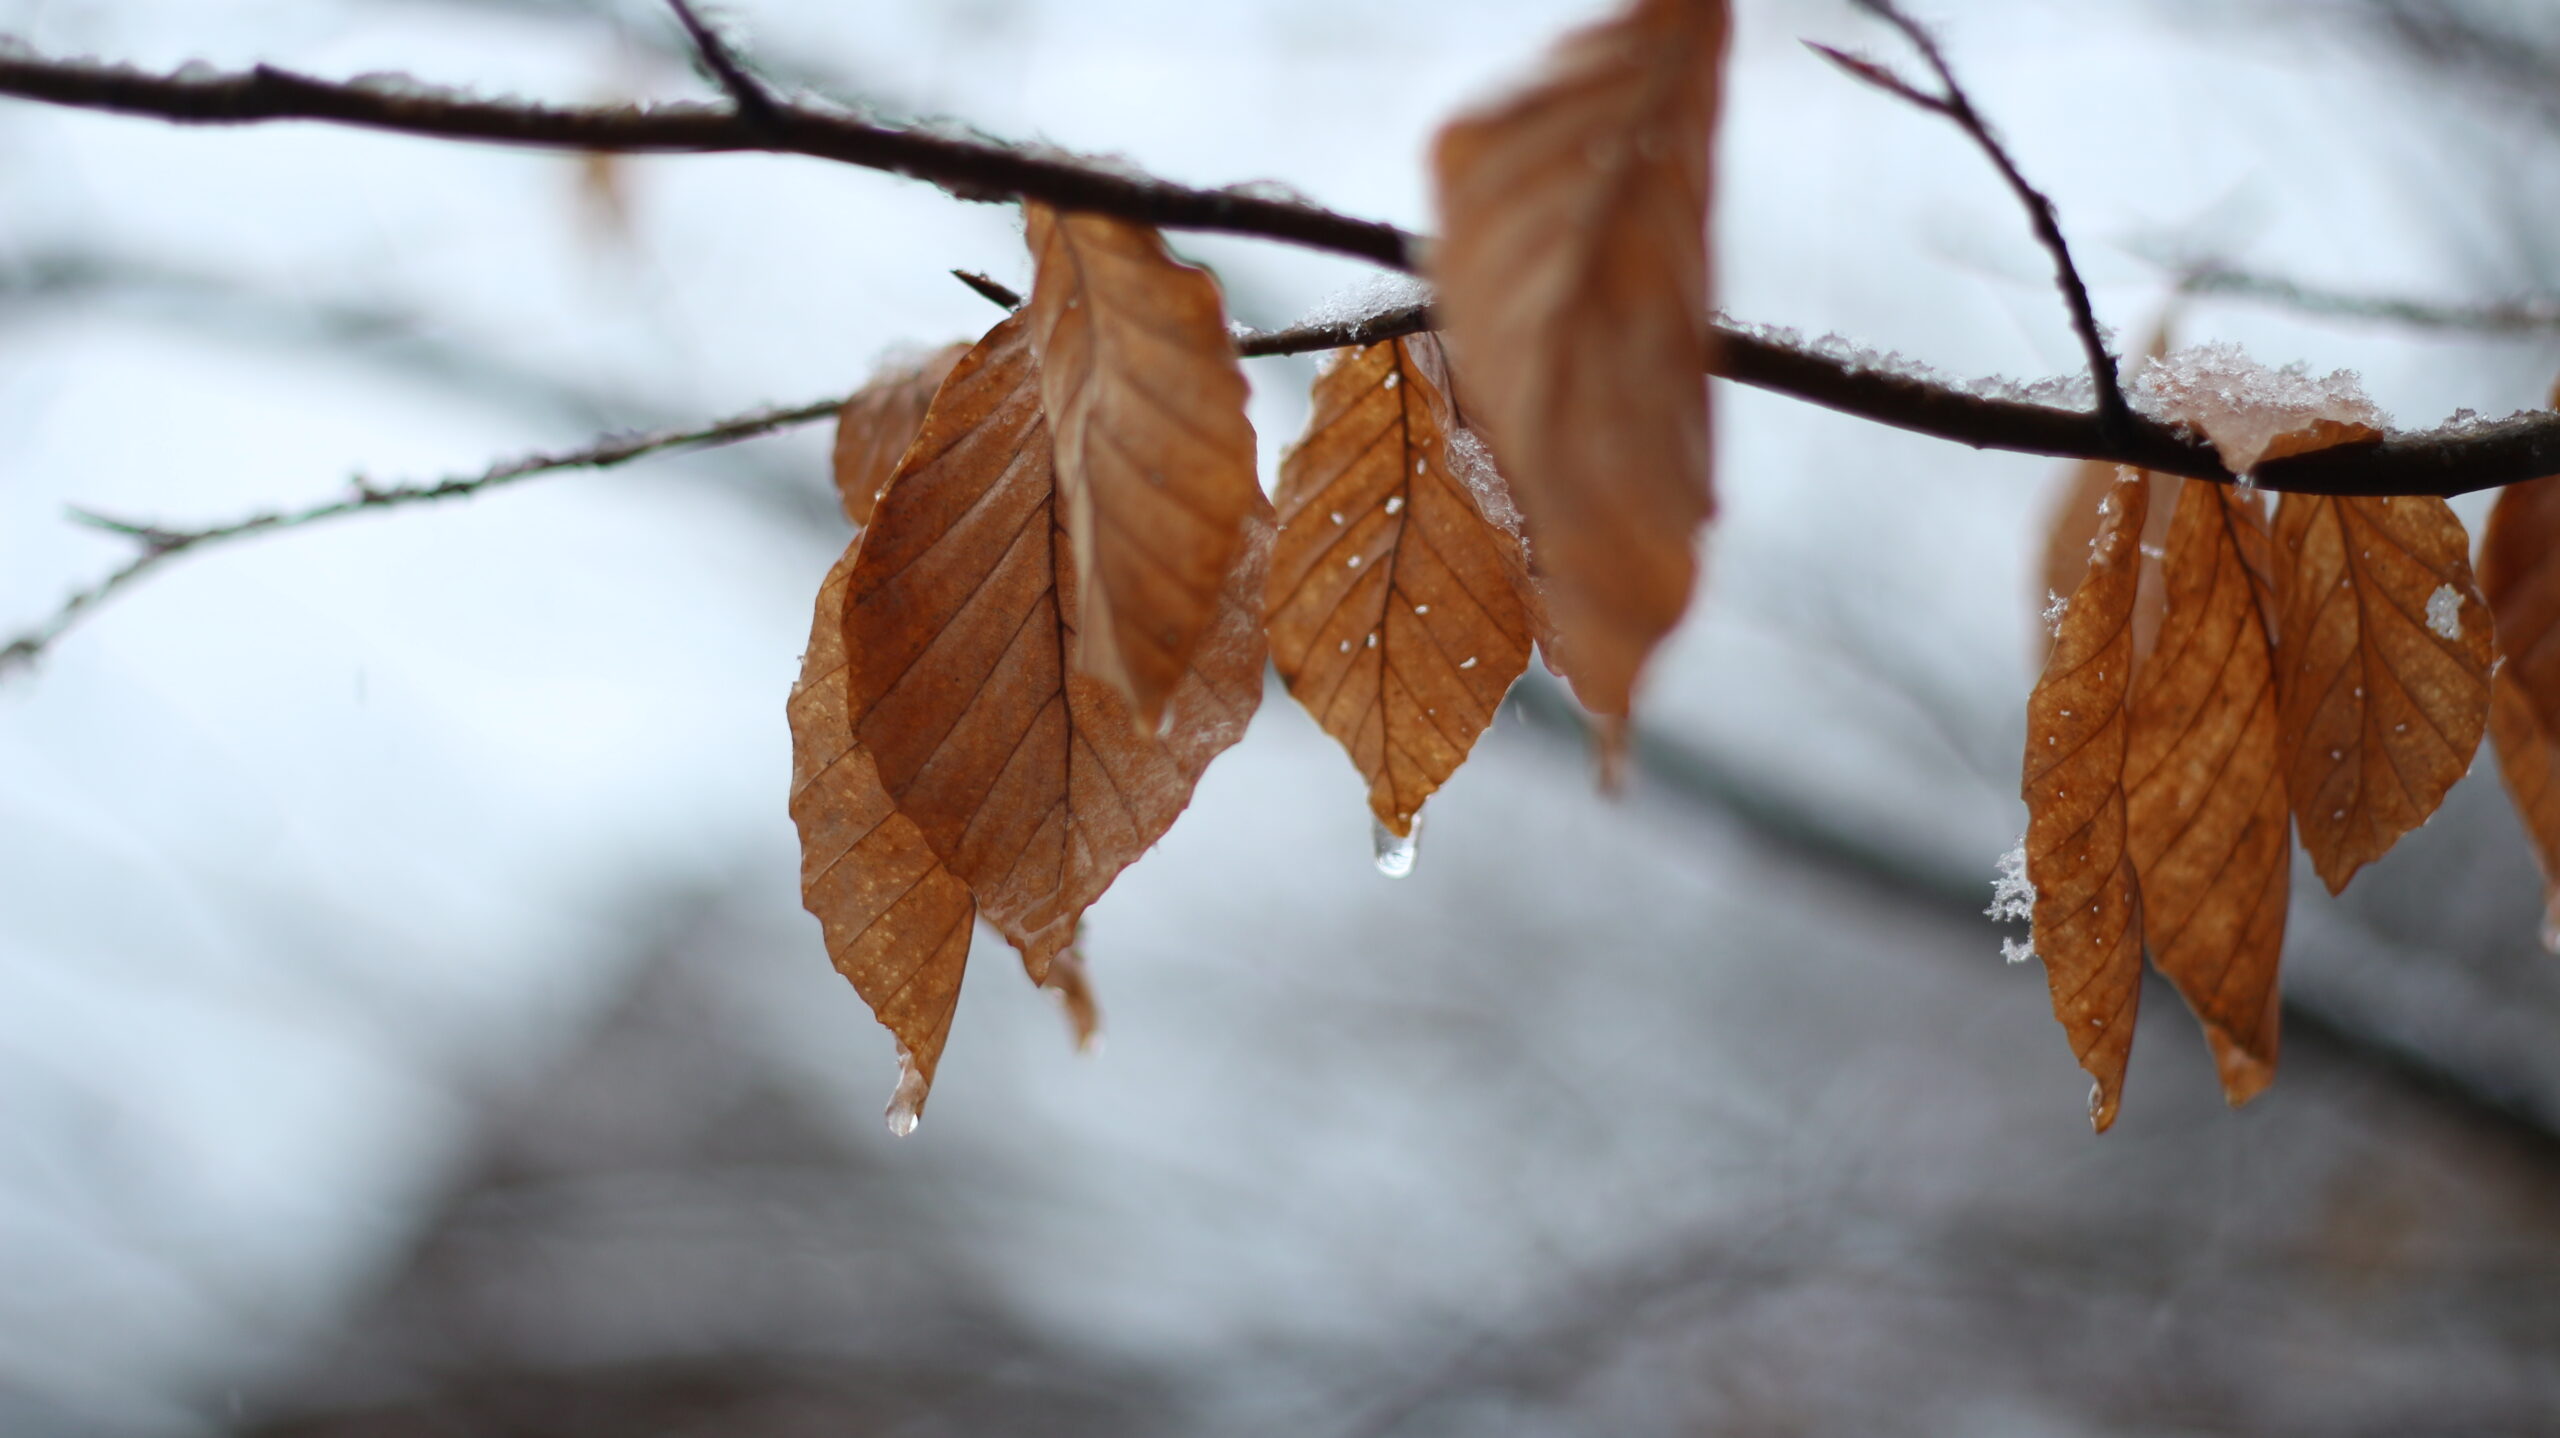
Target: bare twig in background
2510	317
2114	415
160	544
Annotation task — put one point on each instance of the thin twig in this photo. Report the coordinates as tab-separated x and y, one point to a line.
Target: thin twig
966	167
159	544
755	104
2512	317
2114	415
1002	296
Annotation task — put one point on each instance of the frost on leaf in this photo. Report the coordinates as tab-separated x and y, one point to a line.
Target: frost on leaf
1030	779
879	420
2252	414
1394	612
2380	712
897	923
2087	905
2205	800
1155	460
2520	576
2013	900
1572	281
2073	532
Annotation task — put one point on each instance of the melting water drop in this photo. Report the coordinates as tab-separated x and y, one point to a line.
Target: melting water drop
2551	933
1395	852
906	1101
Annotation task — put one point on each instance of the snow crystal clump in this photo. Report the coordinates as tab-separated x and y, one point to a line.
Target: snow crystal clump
2013	898
2246	409
2062	392
1373	296
2055	606
1472	463
2444	613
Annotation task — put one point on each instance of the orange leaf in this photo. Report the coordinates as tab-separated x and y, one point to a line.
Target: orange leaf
1029	778
2075	528
897	923
877	423
1393	614
2383	655
2520	574
2204	782
1572	276
2088	906
1155	459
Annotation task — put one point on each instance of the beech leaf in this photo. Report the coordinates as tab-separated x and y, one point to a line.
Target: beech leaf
2384	649
879	420
897	923
2520	576
1572	281
2204	781
1393	612
2074	529
2088	904
1029	778
1155	458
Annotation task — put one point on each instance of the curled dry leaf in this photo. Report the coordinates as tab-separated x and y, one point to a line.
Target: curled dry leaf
2384	651
2520	575
1155	459
877	422
2074	530
1028	778
897	923
2088	906
1393	614
2204	782
1572	279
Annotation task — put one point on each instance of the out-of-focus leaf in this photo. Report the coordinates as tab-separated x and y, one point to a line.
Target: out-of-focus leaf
897	923
2520	576
1572	278
2204	782
1155	459
877	423
2383	654
2088	905
1029	778
1393	612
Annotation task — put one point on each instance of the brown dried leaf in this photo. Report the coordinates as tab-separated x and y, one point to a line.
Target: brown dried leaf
1392	612
2383	654
1155	459
2204	782
2520	575
877	423
1028	777
2075	529
1572	277
2088	906
897	923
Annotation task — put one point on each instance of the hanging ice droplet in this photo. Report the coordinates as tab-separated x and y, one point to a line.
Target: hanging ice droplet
906	1101
2550	933
1395	851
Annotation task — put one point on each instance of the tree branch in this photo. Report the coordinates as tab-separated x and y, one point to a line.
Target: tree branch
160	544
755	105
968	168
2114	415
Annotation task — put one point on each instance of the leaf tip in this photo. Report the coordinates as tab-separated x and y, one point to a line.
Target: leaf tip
906	1101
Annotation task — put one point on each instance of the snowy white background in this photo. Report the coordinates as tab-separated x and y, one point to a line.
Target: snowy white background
312	849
